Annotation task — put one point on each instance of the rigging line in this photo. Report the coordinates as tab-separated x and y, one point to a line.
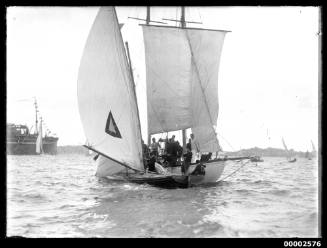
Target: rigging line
226	141
199	15
234	171
198	74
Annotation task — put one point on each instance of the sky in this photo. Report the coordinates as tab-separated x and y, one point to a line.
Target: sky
268	82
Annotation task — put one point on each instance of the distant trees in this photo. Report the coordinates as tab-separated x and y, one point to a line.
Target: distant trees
265	152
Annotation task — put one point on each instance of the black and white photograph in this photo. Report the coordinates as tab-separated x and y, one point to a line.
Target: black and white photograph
163	122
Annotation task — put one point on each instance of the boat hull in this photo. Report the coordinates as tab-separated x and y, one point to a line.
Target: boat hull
174	178
163	181
213	172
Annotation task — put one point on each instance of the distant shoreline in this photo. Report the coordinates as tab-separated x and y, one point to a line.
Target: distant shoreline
72	149
263	152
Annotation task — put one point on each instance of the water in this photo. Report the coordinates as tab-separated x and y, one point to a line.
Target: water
59	196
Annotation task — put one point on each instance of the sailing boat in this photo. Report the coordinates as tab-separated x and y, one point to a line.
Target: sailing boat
289	158
314	152
308	155
182	73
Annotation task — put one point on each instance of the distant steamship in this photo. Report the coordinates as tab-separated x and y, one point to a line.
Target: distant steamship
21	142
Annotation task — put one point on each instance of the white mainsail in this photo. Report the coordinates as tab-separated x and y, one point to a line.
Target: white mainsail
313	147
182	75
314	152
106	99
39	142
284	144
287	151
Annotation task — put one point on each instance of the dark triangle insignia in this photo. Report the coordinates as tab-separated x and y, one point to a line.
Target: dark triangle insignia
111	127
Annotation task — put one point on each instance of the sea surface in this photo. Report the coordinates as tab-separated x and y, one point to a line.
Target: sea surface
59	196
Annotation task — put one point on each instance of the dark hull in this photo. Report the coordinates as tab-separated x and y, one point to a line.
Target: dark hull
256	160
29	148
160	180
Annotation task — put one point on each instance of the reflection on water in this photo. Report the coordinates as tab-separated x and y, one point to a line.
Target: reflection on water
59	196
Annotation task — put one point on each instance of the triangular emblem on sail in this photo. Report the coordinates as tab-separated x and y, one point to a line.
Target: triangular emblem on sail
111	127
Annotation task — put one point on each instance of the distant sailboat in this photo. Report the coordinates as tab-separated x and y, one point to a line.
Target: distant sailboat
314	152
181	64
289	158
308	155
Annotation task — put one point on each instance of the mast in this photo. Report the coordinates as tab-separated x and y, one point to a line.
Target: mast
36	121
147	23
183	25
147	15
133	82
41	133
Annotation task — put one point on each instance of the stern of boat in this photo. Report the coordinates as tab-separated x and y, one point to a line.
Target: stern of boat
213	172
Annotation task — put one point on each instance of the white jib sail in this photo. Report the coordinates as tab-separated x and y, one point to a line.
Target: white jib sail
285	147
182	81
313	147
39	142
106	101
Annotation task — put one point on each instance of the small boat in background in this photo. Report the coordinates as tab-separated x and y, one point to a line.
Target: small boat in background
313	154
308	155
256	159
289	158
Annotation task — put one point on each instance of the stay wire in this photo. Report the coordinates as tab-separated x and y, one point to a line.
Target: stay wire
235	171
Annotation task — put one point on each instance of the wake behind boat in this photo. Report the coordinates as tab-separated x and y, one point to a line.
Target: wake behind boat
185	59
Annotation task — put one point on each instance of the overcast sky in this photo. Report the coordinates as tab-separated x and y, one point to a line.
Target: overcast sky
268	76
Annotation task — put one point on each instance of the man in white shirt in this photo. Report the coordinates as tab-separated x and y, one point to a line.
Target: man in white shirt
195	148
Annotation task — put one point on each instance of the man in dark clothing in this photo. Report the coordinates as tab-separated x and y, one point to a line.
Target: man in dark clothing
172	148
145	149
151	162
188	145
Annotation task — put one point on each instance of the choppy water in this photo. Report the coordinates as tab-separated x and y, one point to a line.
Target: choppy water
59	196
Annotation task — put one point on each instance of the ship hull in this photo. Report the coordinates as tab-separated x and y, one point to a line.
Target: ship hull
29	148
